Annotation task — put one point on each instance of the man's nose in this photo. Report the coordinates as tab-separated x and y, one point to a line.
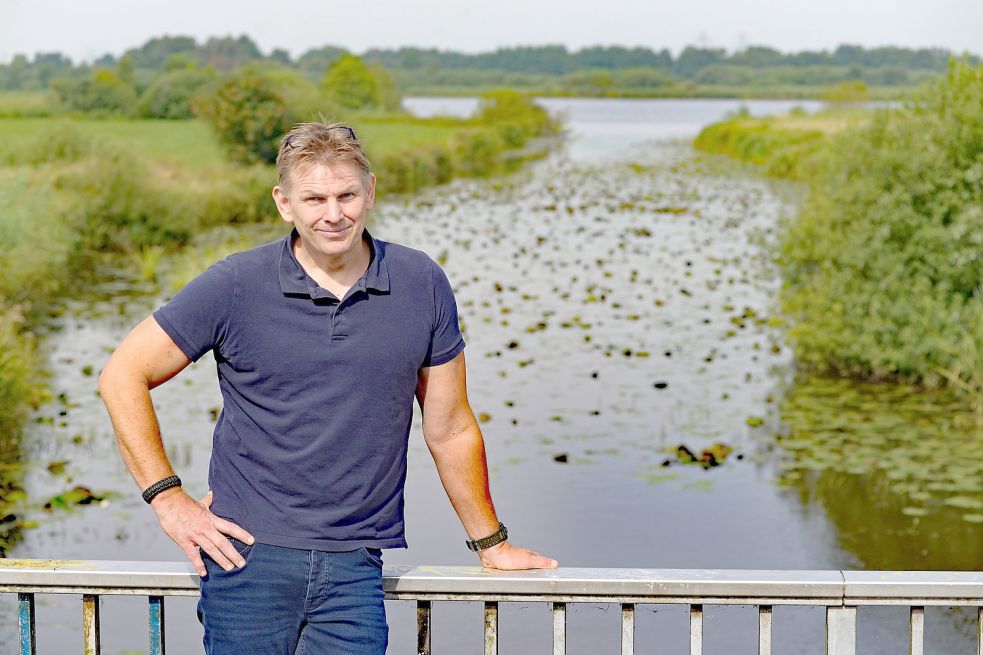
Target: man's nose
332	211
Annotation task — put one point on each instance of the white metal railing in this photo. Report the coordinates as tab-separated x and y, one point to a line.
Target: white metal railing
840	592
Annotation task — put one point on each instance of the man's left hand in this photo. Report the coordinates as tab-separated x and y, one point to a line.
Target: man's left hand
505	556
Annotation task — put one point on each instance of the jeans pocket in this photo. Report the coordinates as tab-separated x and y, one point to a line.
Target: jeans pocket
241	547
372	555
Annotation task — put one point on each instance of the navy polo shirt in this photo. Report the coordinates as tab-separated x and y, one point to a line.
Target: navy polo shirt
310	448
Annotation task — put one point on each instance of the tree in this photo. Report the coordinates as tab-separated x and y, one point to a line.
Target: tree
172	94
351	84
255	106
155	52
228	53
103	92
692	60
315	61
281	56
248	116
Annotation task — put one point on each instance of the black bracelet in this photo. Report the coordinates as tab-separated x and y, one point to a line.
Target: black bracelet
157	487
489	541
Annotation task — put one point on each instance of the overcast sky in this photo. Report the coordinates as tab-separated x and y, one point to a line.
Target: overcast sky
87	29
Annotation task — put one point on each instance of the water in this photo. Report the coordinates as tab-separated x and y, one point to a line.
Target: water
615	299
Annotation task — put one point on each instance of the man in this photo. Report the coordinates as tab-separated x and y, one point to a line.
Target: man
322	341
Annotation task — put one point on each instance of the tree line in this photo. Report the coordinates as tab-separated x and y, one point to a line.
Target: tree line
594	70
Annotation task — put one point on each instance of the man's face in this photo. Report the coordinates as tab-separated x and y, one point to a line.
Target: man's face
327	203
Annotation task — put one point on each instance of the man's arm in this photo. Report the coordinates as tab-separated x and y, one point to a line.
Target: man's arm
458	450
145	359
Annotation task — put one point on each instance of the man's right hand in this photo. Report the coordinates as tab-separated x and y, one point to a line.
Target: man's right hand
192	526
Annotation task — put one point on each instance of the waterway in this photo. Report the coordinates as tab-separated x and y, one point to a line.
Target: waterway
619	301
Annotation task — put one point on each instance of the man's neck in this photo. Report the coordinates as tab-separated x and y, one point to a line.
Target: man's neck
332	272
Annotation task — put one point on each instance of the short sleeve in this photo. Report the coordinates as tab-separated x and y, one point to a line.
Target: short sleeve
446	340
197	317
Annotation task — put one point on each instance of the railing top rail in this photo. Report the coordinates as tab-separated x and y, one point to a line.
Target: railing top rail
464	582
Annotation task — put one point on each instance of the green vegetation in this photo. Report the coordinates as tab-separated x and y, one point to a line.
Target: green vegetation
792	146
249	116
372	79
882	265
486	144
353	85
188	143
920	450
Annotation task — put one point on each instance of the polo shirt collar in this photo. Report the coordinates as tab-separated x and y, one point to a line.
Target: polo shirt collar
295	280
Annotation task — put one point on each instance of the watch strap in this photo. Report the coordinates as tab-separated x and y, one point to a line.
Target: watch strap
489	541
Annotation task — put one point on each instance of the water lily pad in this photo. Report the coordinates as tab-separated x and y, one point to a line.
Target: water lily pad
964	502
74	497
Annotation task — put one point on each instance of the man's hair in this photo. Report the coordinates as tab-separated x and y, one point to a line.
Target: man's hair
309	144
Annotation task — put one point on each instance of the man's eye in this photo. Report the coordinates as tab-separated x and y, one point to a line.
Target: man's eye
347	196
313	199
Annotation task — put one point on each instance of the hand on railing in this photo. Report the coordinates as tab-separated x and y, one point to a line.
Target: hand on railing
508	557
192	527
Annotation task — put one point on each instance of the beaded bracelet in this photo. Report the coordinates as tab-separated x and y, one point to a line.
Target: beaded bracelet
157	487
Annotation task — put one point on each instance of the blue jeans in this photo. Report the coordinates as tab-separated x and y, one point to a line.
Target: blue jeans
288	601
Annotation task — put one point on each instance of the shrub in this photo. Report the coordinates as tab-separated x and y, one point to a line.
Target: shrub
172	93
477	151
883	266
248	116
103	92
351	84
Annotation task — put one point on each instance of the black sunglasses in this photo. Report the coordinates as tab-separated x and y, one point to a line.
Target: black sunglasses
348	130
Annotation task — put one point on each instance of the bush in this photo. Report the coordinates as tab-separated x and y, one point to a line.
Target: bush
883	266
351	84
477	151
503	107
172	93
794	154
103	92
248	116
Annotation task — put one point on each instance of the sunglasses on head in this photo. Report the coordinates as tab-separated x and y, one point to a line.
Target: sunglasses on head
349	131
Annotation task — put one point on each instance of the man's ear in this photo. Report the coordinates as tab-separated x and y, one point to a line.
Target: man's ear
282	204
370	193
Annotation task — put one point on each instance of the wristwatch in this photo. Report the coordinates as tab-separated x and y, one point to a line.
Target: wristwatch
489	541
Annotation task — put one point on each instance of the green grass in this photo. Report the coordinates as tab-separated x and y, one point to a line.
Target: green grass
192	143
388	137
28	103
189	142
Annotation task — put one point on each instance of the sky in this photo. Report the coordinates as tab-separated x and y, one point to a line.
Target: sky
87	30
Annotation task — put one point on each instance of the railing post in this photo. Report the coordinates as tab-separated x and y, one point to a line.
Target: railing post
90	624
559	628
28	641
156	625
841	630
696	629
627	629
764	630
491	628
979	632
423	627
916	623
